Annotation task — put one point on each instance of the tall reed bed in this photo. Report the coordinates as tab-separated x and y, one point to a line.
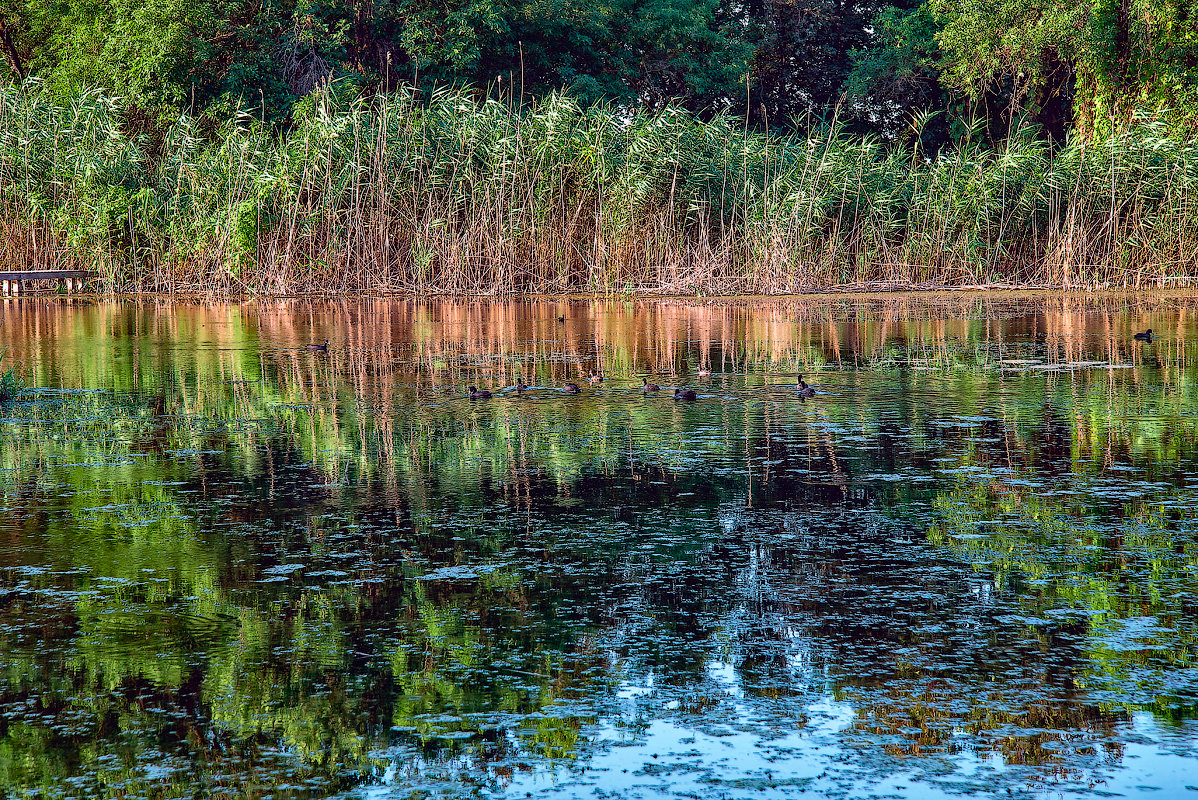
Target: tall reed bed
455	194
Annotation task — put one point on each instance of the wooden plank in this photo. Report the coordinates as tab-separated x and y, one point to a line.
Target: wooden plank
44	274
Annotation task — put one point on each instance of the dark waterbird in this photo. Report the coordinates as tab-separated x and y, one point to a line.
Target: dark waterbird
571	388
318	348
561	318
477	393
685	394
803	389
1146	336
520	385
649	387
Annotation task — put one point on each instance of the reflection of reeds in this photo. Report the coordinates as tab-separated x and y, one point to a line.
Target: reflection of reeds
385	350
388	397
454	195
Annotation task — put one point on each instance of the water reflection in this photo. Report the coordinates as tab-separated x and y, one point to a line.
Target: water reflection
231	565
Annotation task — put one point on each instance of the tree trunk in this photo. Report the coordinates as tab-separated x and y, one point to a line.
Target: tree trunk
1123	57
10	50
1054	99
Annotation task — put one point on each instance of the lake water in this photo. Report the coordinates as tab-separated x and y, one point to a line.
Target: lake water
230	567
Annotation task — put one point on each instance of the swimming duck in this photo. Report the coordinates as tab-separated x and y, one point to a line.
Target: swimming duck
685	394
1146	336
520	385
561	318
803	389
318	348
596	377
649	387
571	388
477	393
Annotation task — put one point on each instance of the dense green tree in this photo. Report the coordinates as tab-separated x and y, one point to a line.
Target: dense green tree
895	78
679	48
222	53
1100	61
882	65
158	54
803	54
646	52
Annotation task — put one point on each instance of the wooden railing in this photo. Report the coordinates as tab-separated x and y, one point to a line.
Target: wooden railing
12	282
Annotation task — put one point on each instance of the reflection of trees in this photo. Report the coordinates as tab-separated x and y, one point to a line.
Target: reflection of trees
921	653
605	529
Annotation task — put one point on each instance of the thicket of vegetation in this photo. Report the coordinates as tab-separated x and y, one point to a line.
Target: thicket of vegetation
1063	62
666	145
456	195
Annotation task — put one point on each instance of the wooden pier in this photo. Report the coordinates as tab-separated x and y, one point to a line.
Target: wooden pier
12	282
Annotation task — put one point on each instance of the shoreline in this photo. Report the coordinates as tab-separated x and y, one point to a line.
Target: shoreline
863	291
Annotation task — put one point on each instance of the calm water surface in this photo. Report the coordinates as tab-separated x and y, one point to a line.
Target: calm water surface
233	568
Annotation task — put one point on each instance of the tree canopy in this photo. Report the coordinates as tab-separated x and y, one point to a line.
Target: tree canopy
1091	65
